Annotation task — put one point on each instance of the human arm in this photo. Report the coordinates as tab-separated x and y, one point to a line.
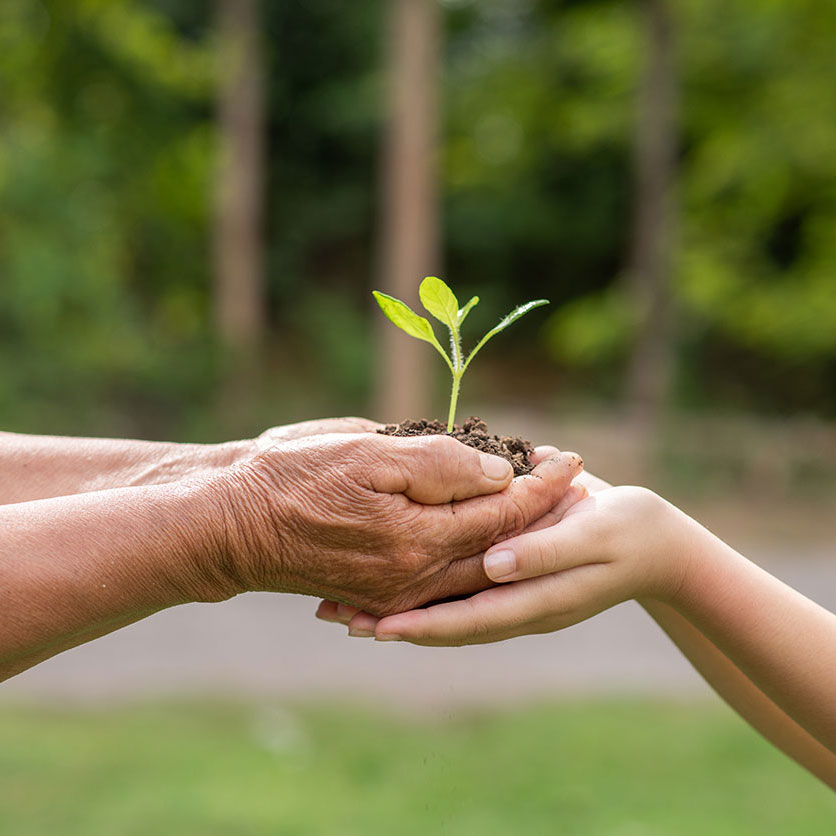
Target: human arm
732	685
719	608
355	517
36	467
74	568
41	466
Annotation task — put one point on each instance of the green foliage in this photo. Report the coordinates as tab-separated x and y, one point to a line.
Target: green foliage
592	330
107	161
105	169
755	279
400	314
442	303
758	181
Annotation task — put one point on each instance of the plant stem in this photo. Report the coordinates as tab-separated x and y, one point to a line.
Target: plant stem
458	372
454	399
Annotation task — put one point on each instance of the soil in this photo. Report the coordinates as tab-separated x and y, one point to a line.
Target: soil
474	433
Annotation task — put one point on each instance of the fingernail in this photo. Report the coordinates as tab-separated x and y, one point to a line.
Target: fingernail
495	468
357	633
388	637
500	564
345	613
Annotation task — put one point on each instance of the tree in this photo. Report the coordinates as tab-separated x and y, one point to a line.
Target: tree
649	272
239	305
409	227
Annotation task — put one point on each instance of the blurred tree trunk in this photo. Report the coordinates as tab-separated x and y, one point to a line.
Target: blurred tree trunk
409	226
239	303
651	260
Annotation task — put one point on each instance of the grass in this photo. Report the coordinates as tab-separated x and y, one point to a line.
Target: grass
594	769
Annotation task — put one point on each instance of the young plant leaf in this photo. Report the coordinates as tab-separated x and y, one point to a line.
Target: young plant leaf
400	314
522	310
440	301
462	315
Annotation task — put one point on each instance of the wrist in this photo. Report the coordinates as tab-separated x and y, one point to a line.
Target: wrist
684	544
714	574
249	518
202	568
217	457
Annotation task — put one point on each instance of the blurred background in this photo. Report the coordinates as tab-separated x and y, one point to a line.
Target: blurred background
196	199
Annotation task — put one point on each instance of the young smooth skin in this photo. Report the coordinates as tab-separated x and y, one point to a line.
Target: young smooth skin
765	648
355	517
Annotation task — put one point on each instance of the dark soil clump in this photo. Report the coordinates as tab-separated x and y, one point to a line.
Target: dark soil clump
474	433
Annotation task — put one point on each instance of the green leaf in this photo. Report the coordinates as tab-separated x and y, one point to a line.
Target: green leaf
522	310
440	301
462	315
400	314
404	317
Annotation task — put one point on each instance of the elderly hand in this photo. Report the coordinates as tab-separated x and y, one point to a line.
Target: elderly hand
318	426
378	522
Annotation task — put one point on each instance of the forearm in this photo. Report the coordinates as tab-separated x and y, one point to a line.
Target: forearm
742	695
781	641
732	685
74	568
39	467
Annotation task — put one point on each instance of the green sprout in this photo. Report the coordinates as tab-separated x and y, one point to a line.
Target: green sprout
441	302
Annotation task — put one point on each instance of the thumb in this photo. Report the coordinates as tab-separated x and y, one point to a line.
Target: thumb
565	545
436	469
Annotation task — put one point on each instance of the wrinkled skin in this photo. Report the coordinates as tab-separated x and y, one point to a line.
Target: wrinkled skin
317	426
378	522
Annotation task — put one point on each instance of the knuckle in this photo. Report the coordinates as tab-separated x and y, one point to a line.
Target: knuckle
358	421
513	517
391	604
405	519
538	561
364	446
646	497
438	444
441	449
478	626
392	451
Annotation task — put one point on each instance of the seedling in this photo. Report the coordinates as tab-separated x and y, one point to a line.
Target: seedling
441	302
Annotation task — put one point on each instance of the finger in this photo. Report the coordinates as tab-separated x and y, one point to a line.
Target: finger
592	483
453	579
317	426
363	625
555	549
542	453
490	616
573	496
483	521
436	469
460	577
537	605
355	424
346	612
327	611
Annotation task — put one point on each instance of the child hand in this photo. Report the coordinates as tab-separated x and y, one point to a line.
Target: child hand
618	544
